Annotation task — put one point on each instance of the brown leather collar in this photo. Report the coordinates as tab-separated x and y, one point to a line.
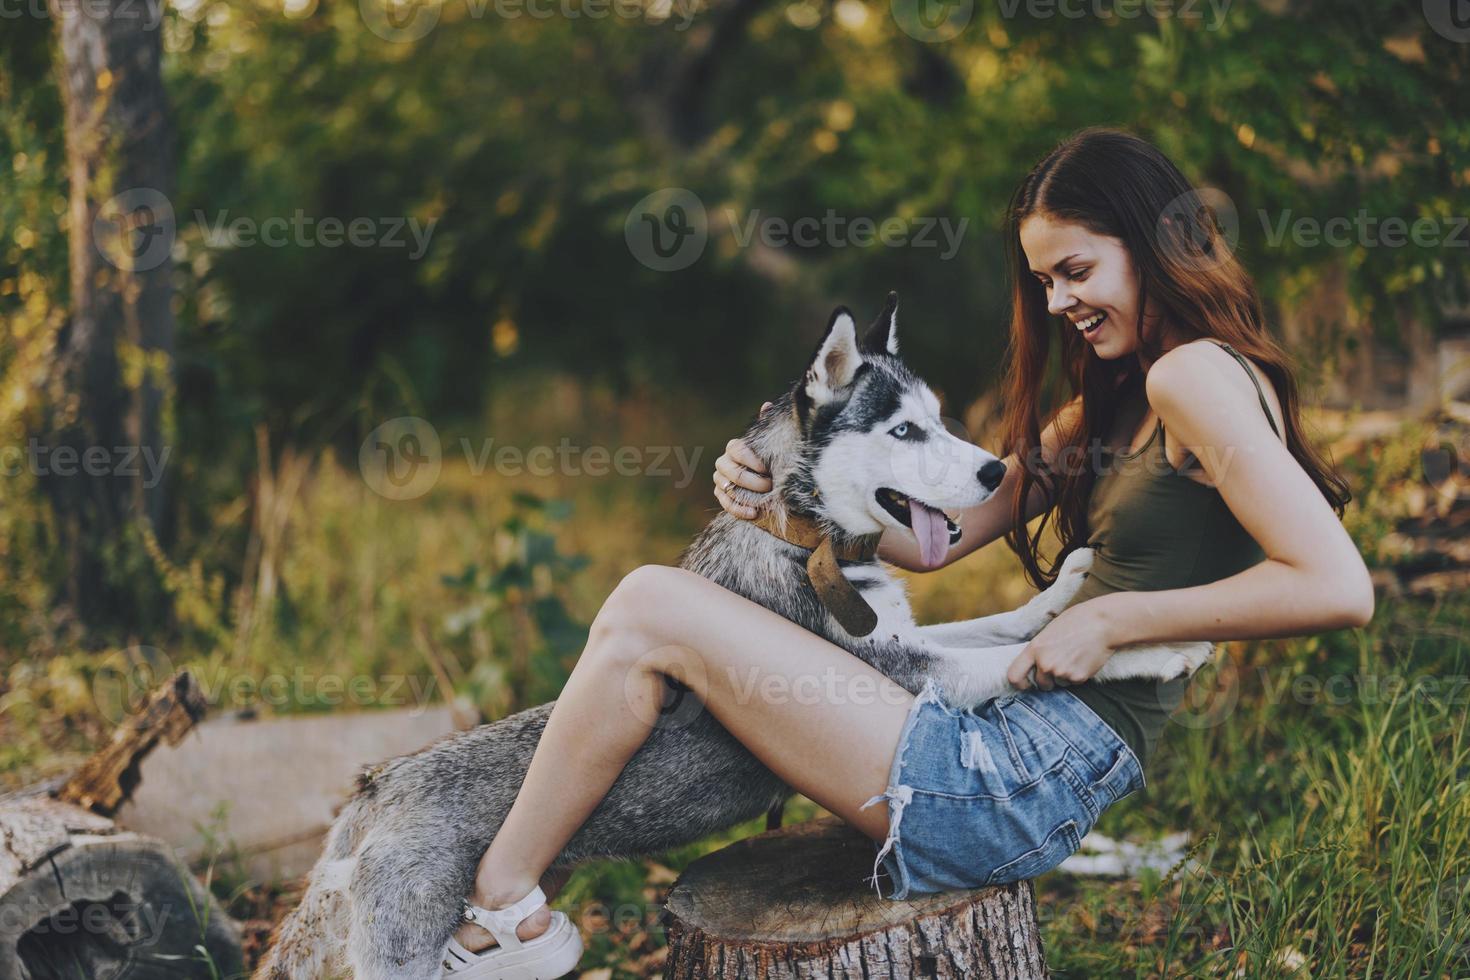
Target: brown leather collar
803	531
839	597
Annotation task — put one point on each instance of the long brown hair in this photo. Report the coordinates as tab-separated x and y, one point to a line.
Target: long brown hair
1118	185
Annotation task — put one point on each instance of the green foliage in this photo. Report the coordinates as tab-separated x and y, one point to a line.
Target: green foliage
523	141
513	604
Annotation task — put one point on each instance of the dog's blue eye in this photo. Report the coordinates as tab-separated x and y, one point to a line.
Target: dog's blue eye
901	430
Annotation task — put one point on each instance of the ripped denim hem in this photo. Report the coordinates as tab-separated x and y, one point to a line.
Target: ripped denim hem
899	795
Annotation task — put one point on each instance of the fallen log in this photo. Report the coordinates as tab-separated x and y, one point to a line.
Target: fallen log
82	897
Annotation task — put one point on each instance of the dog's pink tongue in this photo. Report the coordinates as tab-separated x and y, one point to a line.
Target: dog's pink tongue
932	532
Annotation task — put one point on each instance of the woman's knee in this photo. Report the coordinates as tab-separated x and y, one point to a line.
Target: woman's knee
628	617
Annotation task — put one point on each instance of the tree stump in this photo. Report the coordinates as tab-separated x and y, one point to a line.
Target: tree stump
794	903
80	897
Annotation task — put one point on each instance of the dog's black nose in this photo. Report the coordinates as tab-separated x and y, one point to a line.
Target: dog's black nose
991	474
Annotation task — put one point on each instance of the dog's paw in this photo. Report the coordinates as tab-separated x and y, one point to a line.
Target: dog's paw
1187	659
1049	604
1077	564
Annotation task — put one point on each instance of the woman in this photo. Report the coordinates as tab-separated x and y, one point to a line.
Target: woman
1208	525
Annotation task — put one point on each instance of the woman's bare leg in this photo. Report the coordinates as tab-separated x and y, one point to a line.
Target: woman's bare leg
819	718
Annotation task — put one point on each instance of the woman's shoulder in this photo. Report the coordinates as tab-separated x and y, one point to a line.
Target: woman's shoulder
1201	365
1194	362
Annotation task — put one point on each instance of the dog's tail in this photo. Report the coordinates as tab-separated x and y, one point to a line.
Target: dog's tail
311	941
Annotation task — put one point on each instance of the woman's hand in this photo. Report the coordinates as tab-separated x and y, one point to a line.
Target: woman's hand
1068	650
740	467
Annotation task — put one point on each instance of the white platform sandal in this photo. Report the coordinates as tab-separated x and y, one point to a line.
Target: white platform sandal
554	953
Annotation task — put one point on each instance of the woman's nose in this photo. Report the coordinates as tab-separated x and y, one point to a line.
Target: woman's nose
1060	301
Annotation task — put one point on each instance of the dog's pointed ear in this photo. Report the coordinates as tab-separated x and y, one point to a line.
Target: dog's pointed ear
836	361
882	336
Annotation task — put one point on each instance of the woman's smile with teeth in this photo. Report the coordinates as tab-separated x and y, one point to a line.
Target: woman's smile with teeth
1090	322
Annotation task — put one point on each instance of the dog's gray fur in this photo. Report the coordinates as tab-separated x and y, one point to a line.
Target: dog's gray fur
386	894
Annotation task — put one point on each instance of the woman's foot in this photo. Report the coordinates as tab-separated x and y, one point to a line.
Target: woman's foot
519	939
475	939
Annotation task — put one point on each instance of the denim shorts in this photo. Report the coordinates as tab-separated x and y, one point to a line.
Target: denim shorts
999	792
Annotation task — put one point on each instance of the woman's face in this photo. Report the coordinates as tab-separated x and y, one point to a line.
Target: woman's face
1086	276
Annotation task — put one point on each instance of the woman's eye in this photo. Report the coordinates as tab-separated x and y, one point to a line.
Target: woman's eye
1078	275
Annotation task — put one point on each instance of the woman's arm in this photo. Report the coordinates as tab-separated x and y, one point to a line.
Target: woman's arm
1313	578
984	523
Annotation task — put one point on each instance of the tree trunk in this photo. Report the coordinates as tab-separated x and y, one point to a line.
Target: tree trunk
793	903
106	447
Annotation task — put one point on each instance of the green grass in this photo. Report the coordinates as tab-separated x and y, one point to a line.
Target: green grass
1331	834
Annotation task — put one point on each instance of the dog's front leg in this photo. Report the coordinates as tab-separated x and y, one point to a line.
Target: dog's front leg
970	677
1162	661
1017	625
1000	629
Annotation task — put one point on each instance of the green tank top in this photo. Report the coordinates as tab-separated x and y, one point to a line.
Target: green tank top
1155	529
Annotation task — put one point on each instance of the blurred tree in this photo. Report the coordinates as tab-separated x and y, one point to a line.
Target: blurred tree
114	354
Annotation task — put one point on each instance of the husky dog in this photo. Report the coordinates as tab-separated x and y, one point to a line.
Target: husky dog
855	447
